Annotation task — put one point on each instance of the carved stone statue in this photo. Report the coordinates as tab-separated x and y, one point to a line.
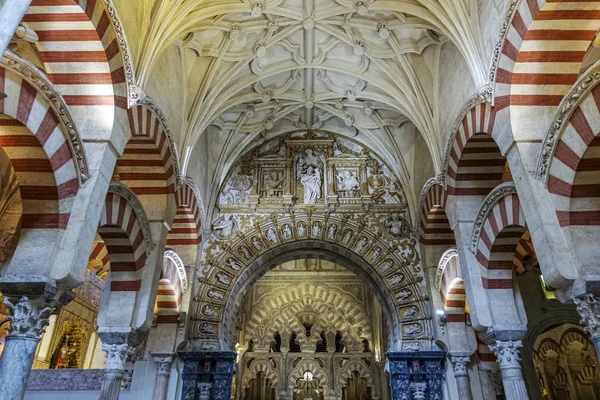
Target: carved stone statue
256	243
214	294
331	232
403	295
301	229
311	180
347	181
362	242
272	236
316	231
287	232
396	226
223	227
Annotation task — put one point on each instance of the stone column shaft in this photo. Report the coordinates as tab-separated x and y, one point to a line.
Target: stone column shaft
11	14
27	322
507	353
163	372
461	374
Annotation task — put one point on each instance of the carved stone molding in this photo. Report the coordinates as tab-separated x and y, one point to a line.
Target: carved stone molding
588	307
138	208
116	355
29	317
478	98
500	191
132	98
147	101
579	92
459	365
513	5
448	254
172	255
507	353
37	79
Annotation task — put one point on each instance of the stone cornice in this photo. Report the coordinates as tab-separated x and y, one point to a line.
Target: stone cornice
138	208
500	191
40	81
579	92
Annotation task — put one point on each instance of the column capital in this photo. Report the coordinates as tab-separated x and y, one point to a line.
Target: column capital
588	306
163	365
29	317
507	352
459	365
116	355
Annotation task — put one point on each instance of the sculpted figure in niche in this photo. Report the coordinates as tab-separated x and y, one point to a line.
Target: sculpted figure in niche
274	183
256	243
214	294
233	264
301	229
386	265
347	181
376	254
396	279
245	251
316	229
332	231
413	330
209	311
223	228
272	236
410	312
403	295
287	232
224	279
311	180
362	242
347	236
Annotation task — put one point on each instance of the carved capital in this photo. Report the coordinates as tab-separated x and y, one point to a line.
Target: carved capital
163	365
459	365
29	317
418	389
116	355
507	352
588	307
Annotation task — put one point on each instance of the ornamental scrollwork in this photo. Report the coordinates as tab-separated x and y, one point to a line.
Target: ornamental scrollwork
562	117
492	199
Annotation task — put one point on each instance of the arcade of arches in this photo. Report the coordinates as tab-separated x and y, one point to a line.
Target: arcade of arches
299	199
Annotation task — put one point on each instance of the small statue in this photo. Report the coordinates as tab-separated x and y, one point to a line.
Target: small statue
272	236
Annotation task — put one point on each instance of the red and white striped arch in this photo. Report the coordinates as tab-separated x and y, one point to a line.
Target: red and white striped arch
525	254
542	52
503	226
100	253
573	178
124	228
435	227
475	164
186	230
147	165
171	287
451	287
83	53
37	142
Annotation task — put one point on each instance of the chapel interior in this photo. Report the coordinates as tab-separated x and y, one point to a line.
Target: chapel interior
299	199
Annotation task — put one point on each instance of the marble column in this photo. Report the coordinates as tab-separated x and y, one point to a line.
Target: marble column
588	307
11	14
507	353
461	374
28	319
163	372
114	366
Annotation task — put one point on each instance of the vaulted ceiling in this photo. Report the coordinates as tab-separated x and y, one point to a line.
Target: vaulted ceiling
259	68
